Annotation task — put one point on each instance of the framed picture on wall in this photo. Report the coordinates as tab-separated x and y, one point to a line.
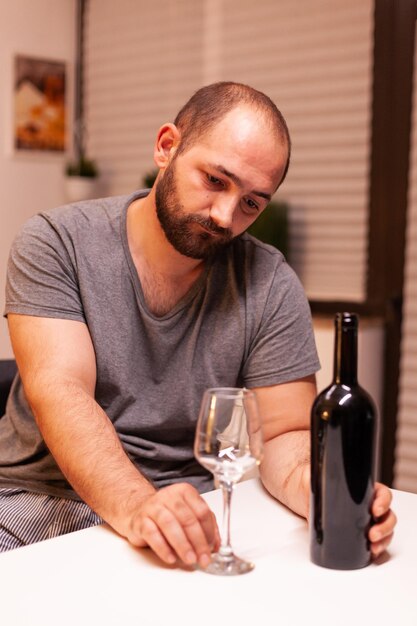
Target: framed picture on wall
39	105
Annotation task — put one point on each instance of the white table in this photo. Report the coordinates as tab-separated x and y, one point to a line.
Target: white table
94	577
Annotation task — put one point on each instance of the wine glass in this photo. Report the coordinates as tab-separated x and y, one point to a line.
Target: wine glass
228	442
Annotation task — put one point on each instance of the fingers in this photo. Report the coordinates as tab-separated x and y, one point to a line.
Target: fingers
152	537
381	533
205	517
177	523
382	500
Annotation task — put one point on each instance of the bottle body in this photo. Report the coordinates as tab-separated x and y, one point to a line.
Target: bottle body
343	437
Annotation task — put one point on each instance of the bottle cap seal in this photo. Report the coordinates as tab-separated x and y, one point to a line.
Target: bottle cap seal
346	320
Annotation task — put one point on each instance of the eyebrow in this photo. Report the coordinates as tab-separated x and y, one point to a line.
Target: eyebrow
238	181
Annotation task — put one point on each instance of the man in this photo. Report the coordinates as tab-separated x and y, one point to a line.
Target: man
122	311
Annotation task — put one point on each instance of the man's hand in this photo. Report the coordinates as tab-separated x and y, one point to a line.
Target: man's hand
380	534
56	360
177	524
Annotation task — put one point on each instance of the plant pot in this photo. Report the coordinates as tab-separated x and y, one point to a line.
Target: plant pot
80	188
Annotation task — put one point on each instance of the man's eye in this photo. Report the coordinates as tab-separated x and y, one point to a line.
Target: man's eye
251	204
214	181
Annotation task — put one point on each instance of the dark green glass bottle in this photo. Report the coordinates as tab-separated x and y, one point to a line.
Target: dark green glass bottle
343	444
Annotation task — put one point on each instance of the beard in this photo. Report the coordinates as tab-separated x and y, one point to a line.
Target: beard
181	228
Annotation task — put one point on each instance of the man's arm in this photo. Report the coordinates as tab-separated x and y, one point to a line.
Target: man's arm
285	469
56	361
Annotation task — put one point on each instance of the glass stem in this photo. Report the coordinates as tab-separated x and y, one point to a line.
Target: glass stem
226	548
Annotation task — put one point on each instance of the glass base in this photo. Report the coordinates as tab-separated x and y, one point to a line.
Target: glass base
230	565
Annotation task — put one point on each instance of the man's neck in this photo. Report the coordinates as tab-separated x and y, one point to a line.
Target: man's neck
147	241
165	274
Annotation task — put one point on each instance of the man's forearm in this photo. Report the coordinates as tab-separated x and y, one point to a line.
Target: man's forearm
86	447
285	470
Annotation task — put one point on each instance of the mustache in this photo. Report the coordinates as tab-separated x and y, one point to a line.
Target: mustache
211	226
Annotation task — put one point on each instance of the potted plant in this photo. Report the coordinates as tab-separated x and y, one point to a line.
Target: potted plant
272	226
81	176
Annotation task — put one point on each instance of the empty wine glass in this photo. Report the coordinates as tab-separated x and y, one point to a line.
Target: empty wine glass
228	442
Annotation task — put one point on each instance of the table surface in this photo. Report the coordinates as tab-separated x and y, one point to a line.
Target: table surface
95	577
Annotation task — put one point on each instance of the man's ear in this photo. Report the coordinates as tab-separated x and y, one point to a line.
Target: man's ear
166	144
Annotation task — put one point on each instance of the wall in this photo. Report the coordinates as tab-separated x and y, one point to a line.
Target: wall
28	184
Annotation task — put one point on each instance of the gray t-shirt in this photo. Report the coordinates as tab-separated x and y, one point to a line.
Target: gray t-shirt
245	322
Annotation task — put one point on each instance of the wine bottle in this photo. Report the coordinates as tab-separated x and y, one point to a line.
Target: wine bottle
343	445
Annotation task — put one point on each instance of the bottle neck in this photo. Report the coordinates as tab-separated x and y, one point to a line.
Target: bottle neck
346	351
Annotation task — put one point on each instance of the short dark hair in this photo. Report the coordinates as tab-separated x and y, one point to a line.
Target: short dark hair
211	103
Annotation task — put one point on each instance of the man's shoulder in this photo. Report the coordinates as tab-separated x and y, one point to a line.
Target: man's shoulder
262	267
81	220
264	248
257	253
85	212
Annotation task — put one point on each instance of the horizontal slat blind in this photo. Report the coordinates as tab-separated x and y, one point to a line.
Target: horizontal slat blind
313	57
142	60
406	447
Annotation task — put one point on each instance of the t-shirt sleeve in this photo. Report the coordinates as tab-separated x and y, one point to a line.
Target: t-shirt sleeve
282	347
41	273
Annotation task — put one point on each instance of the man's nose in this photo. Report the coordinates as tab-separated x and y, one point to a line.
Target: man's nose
222	212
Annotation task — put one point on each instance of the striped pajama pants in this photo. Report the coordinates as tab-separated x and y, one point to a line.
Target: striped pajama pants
27	517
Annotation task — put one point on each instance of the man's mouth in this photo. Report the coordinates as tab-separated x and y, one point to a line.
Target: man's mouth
213	229
210	231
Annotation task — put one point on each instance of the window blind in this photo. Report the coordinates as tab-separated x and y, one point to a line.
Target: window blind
405	470
142	60
313	57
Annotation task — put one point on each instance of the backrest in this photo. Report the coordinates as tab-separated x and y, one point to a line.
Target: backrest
8	369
